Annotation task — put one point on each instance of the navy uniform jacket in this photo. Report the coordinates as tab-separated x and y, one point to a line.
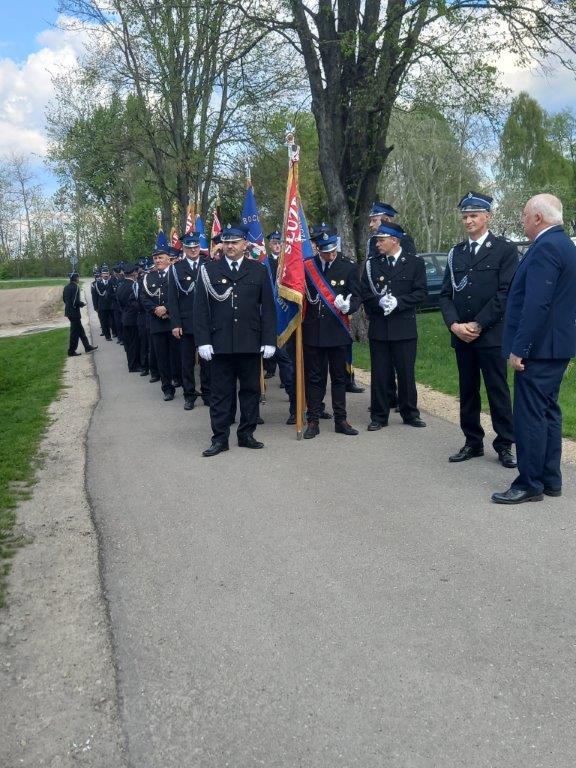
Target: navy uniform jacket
181	304
72	302
541	310
142	314
94	295
154	294
128	302
104	292
320	328
483	300
406	281
273	266
246	320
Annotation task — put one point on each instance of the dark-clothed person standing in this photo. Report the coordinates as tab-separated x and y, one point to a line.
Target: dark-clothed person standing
539	340
127	296
143	329
473	301
325	338
182	288
234	323
72	306
393	286
103	290
154	297
115	281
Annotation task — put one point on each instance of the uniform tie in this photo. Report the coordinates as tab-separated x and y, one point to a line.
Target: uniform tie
235	267
391	261
473	247
326	265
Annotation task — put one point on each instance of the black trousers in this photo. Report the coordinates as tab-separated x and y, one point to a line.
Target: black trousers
104	317
269	366
188	351
538	424
488	361
132	346
317	361
161	343
225	371
143	344
287	375
112	320
77	333
176	359
118	323
385	358
152	362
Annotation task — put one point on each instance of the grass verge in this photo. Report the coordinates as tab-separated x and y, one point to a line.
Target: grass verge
31	371
32	283
436	367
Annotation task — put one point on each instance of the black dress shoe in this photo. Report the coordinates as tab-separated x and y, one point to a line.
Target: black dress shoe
259	420
74	354
189	403
206	401
176	383
311	430
91	349
415	423
397	409
291	420
516	496
465	453
354	388
506	458
168	396
144	372
249	442
269	375
325	415
281	386
215	449
154	379
343	428
108	338
374	426
548	491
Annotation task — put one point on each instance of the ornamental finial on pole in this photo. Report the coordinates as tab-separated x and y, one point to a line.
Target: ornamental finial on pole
293	148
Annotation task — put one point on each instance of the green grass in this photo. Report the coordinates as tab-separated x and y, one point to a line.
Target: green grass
436	367
31	370
32	283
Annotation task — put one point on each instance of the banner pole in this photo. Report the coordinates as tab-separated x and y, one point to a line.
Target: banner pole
299	373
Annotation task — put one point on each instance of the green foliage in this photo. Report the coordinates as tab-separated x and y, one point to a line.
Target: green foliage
30	377
537	154
140	223
425	176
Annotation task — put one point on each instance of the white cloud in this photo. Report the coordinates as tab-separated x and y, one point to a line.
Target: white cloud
552	85
26	88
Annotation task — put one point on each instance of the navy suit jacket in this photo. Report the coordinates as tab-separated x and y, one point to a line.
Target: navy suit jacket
540	320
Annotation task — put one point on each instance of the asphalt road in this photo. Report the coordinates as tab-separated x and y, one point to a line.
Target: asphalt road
327	603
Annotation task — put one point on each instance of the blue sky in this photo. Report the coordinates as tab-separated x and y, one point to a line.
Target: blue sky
20	26
33	47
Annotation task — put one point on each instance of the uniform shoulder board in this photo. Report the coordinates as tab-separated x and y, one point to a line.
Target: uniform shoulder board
461	244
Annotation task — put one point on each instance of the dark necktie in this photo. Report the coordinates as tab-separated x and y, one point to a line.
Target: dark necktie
326	265
234	267
473	247
391	261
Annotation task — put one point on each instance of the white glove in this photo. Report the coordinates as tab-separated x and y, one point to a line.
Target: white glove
390	303
383	301
267	351
343	304
206	351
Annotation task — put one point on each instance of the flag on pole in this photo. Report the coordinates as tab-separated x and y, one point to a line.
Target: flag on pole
189	220
216	225
161	241
251	219
199	226
291	277
175	240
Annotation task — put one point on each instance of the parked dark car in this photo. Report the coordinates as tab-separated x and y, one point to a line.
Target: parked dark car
435	268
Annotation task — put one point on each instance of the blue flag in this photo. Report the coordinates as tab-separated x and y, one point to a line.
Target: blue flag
161	241
251	219
199	227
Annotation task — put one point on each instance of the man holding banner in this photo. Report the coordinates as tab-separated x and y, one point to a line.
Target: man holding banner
333	294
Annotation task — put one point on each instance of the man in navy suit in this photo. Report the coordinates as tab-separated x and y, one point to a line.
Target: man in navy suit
539	340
